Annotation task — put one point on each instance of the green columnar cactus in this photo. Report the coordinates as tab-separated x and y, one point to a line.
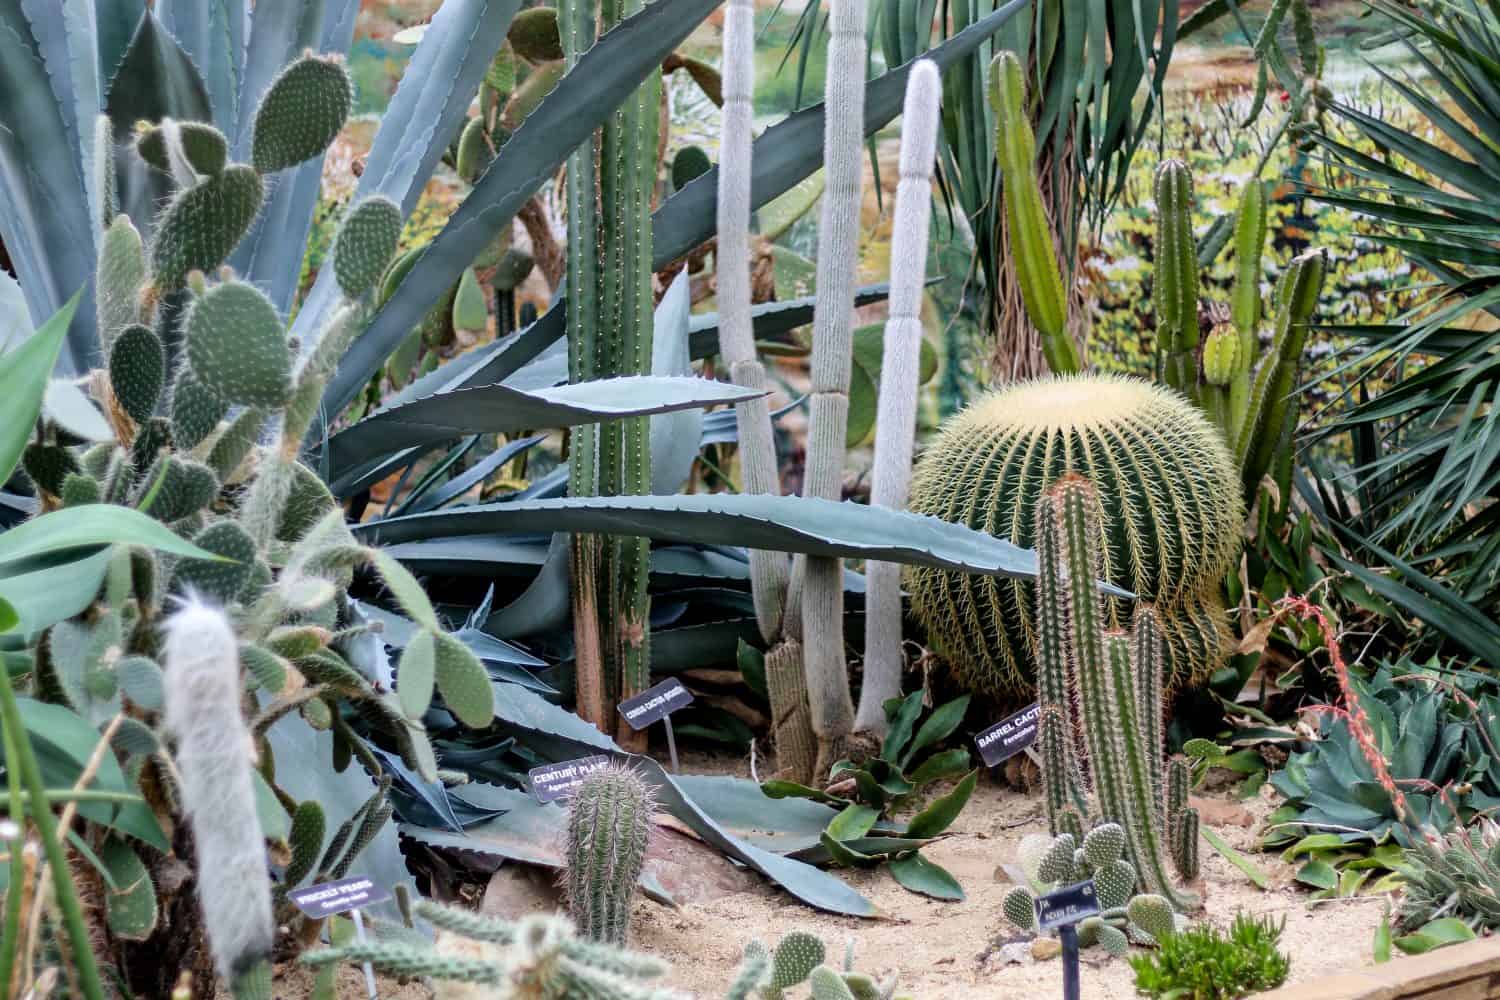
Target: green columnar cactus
628	182
1175	277
214	761
896	413
301	113
1271	405
1124	763
609	824
1173	518
1028	234
830	705
1245	309
576	24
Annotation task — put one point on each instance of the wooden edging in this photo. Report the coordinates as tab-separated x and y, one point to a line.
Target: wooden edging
1469	971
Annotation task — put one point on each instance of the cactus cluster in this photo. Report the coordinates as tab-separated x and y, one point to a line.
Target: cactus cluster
540	956
1125	917
1172	515
609	826
199	374
1256	418
1101	691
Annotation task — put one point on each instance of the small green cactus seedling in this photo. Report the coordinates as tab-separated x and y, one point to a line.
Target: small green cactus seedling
609	825
237	345
301	113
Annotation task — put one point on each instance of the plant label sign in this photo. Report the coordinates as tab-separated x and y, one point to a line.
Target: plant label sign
327	898
655	703
551	782
1066	906
1009	736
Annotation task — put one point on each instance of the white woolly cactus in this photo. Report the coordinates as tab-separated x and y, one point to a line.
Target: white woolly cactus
215	758
829	703
896	416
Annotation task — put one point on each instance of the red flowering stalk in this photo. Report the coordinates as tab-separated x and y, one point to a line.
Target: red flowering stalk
1353	712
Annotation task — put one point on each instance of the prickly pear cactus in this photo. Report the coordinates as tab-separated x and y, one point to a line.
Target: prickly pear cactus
1172	516
301	113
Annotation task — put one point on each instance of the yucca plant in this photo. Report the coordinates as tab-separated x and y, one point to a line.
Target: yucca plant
1416	412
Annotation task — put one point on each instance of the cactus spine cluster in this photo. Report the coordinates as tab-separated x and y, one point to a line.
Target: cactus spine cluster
830	705
1172	516
1030	237
609	826
896	414
214	759
1118	680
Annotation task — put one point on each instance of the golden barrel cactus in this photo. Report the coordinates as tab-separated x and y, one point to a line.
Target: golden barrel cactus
1172	509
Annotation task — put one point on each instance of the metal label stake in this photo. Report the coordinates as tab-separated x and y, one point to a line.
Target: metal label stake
347	895
1061	910
359	935
656	704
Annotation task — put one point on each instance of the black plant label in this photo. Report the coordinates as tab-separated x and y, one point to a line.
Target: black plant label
551	782
327	898
1010	735
1067	905
655	703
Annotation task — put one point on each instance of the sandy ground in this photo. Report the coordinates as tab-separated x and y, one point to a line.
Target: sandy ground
939	948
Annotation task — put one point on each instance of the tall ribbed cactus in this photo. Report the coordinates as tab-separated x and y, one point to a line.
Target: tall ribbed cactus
896	414
609	825
1175	280
576	26
214	759
1270	417
1027	229
1245	311
1173	517
1115	676
830	706
776	612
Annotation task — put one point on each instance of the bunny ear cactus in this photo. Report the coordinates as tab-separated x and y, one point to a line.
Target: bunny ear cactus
301	113
1172	519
